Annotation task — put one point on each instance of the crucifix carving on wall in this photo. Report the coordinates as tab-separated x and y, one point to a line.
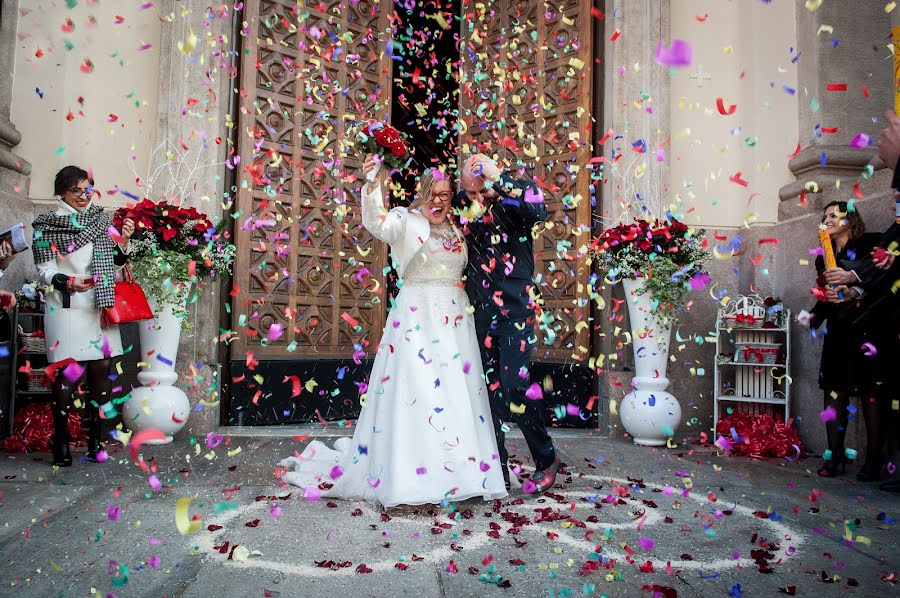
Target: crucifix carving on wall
700	75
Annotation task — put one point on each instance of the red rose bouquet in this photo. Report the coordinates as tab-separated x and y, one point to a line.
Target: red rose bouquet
385	141
668	255
174	248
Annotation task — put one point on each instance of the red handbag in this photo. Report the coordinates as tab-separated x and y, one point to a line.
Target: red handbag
131	303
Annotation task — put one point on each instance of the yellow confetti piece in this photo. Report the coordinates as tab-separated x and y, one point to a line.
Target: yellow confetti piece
234	452
688	483
826	29
182	517
517	408
612	407
310	385
812	5
189	44
889	7
56	567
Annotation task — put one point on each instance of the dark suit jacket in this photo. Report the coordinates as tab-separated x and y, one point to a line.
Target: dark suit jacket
850	258
501	256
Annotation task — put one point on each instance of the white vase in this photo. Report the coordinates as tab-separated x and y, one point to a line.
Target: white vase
157	404
649	414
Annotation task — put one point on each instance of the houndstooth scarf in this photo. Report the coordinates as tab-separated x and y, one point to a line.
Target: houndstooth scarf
62	234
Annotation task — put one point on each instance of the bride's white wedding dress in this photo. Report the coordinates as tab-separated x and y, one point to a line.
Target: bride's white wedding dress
424	435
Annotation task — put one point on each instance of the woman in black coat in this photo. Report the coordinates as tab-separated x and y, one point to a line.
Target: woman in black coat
847	368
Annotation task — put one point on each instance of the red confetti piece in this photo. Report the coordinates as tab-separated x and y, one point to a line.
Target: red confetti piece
703	18
796	151
720	104
856	191
865	90
597	13
769	241
836	87
736	178
615	35
830	130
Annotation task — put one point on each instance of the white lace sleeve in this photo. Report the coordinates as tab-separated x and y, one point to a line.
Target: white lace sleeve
387	226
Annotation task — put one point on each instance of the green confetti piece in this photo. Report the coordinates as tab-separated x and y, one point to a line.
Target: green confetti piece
59	150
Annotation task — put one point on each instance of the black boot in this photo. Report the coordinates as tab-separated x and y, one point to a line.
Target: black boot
94	428
59	442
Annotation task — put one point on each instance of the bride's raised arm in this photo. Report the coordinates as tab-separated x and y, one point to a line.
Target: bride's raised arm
387	226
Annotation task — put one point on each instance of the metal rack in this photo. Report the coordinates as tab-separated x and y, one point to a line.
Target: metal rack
744	382
30	316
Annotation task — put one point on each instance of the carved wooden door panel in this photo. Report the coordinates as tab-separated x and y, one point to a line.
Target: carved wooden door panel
525	94
305	270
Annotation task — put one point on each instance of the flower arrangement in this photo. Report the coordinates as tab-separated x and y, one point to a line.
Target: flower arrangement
668	255
385	141
173	248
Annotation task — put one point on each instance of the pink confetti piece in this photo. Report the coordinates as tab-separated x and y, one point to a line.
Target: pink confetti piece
336	472
154	482
679	54
275	512
861	141
312	493
484	466
113	512
529	487
421	470
869	349
154	561
828	415
213	440
73	372
276	331
647	543
534	392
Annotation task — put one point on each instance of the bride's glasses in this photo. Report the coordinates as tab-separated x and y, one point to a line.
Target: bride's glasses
443	196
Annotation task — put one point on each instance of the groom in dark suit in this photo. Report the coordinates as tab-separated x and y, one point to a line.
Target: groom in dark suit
497	214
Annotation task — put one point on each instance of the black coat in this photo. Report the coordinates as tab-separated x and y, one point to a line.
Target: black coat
500	268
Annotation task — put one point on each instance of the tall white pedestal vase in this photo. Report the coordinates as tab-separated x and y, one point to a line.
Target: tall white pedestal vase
649	414
158	404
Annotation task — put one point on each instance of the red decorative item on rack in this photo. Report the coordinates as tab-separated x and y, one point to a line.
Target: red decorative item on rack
759	436
33	427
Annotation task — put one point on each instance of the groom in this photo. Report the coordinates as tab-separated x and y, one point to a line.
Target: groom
498	280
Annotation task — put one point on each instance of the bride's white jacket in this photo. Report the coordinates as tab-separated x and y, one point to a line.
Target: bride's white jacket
404	230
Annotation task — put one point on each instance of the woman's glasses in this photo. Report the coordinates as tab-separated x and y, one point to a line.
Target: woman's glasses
81	192
444	196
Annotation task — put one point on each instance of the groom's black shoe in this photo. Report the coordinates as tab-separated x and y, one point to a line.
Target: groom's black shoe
891	486
544	479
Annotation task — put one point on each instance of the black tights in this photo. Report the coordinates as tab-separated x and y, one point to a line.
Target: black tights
873	413
836	429
96	373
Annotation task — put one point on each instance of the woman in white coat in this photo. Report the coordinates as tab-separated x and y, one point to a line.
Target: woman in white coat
425	434
76	255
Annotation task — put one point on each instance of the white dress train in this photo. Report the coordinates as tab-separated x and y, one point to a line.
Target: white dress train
424	435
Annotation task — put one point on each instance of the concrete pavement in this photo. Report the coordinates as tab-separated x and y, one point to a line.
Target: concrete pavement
622	521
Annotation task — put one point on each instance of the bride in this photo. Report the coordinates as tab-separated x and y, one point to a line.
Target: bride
425	434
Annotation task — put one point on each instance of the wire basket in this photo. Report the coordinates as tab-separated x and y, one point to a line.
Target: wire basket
761	353
33	343
38	381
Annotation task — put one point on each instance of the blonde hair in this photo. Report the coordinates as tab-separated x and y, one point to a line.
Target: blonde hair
426	184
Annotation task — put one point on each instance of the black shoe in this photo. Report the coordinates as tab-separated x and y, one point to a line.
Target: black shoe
544	479
869	473
830	468
62	456
94	429
891	485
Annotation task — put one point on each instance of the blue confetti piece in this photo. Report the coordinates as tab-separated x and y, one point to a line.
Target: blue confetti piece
163	359
652	401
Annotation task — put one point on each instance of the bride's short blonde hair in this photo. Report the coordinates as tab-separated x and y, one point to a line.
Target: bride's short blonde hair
426	184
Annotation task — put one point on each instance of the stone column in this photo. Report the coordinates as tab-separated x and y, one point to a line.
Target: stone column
14	203
854	54
636	102
201	75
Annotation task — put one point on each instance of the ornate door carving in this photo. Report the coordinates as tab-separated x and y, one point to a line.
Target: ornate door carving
306	269
525	94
